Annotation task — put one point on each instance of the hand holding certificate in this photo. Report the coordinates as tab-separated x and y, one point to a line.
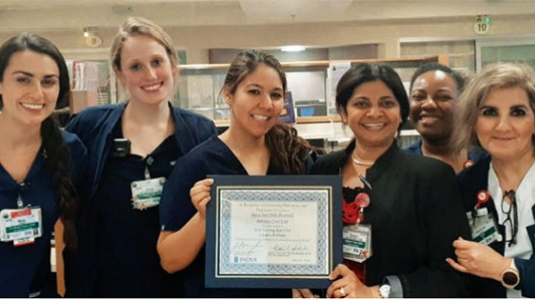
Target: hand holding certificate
273	231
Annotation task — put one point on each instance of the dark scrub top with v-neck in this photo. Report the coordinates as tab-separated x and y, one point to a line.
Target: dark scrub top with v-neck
25	270
176	209
128	264
94	126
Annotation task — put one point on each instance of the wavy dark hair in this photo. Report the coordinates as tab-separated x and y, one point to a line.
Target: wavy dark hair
288	151
54	149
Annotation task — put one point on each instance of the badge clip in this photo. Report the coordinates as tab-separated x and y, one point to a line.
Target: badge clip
362	200
482	197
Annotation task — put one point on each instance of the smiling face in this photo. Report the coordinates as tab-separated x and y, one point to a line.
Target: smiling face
432	103
373	114
506	123
146	70
257	101
30	87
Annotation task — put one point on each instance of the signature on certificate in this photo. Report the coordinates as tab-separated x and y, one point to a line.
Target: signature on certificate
249	247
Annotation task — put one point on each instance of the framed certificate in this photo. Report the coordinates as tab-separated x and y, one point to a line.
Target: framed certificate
278	231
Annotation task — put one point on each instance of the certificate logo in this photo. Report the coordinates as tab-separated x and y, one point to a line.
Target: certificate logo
244	259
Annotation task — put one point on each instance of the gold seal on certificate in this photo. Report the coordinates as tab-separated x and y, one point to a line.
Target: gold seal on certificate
281	231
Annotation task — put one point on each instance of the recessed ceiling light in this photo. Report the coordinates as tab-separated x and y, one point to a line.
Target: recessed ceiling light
293	48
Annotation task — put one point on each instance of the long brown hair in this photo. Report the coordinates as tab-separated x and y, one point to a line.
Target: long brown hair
288	152
53	145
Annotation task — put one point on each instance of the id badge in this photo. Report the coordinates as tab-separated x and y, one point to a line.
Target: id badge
21	226
357	242
147	193
483	227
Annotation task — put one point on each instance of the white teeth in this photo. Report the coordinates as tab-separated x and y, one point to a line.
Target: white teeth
374	125
260	117
152	87
33	106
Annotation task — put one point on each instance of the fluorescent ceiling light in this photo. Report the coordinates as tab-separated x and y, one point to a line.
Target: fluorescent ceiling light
293	48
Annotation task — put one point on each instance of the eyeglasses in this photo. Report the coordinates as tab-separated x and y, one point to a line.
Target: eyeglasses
513	222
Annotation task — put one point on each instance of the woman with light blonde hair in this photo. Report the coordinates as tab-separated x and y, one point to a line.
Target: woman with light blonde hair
133	147
497	112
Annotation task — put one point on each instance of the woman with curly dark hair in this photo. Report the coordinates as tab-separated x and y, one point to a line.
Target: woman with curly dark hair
254	144
37	161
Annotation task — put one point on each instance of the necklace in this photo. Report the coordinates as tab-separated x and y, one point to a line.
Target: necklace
361	162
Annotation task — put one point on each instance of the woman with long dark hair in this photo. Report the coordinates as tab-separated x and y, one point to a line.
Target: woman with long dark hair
254	144
37	161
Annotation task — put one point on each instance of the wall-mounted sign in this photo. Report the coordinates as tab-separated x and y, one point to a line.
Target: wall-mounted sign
481	27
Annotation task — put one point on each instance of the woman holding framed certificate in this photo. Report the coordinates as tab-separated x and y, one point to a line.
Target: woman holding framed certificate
254	144
401	211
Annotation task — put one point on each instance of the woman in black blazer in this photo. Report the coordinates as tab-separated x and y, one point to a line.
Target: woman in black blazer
401	211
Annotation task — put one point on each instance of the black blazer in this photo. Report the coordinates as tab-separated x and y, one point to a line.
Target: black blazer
416	213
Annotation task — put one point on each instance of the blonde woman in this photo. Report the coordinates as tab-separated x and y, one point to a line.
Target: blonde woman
133	147
497	113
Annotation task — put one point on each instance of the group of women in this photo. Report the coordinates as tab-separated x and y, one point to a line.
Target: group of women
128	181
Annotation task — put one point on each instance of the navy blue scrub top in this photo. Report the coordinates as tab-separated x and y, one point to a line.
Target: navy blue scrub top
473	155
26	270
128	264
176	209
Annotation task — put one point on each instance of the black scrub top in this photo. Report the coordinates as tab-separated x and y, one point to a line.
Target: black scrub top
128	264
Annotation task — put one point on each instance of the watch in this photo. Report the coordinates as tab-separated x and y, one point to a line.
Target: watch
510	278
384	290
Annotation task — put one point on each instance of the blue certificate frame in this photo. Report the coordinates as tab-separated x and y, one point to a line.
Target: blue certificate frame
275	231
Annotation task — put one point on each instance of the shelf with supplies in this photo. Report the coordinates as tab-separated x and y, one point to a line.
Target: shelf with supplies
311	84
